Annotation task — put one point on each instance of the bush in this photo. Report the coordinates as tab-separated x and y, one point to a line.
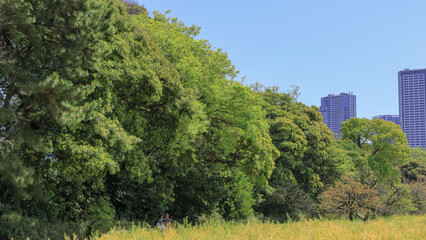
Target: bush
100	216
238	204
15	226
288	202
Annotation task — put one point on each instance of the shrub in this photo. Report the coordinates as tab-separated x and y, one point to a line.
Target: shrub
288	202
15	226
100	216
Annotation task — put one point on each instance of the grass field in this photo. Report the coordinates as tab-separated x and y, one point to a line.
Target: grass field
398	227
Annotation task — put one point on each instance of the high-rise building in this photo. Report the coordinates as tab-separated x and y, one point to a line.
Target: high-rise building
391	118
412	112
337	108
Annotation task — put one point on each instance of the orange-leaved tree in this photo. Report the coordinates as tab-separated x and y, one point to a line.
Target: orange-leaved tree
350	197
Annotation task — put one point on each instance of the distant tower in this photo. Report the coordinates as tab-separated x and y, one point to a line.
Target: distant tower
337	108
391	118
412	103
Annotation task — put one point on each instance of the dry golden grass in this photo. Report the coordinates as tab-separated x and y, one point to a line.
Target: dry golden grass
398	227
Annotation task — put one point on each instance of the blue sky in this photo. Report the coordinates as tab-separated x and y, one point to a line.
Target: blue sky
327	46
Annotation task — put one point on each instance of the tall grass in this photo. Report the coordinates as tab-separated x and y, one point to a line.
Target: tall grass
397	227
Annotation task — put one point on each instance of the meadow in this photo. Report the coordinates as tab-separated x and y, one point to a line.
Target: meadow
396	227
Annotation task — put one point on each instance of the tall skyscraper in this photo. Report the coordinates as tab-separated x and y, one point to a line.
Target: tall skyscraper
337	108
412	112
391	118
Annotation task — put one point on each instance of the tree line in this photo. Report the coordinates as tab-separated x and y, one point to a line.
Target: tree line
110	113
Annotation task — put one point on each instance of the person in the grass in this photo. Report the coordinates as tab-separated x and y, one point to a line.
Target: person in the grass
160	223
167	221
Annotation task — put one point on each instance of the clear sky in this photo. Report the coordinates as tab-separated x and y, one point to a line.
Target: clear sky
323	46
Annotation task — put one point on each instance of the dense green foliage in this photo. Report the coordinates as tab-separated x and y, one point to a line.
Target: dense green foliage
298	133
383	142
108	113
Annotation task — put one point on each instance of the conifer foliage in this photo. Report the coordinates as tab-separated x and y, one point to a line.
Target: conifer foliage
48	49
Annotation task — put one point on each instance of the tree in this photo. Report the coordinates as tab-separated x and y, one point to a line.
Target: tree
418	154
384	143
414	174
197	124
413	171
396	198
133	7
418	192
288	202
350	197
298	132
45	87
344	158
415	167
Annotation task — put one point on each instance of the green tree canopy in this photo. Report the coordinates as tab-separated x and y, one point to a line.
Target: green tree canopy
303	140
196	124
298	132
384	143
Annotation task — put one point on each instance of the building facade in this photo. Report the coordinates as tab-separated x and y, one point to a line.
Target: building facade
337	108
391	118
412	112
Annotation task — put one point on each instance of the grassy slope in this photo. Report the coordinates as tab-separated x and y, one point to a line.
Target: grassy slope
398	227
